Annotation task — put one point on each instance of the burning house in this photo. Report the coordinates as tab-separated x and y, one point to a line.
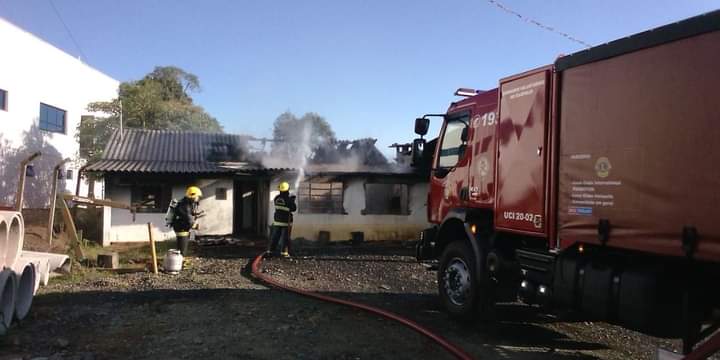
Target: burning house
345	190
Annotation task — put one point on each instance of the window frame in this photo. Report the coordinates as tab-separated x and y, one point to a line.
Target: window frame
221	193
335	196
55	108
4	102
399	212
161	204
452	118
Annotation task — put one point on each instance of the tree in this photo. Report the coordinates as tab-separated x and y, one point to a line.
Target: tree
160	100
296	138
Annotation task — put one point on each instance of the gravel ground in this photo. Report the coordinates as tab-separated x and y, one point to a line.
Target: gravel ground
213	310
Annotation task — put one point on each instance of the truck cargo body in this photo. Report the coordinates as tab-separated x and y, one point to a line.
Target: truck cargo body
640	148
604	190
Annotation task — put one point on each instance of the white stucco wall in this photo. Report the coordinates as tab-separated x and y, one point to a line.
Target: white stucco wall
217	221
33	72
374	227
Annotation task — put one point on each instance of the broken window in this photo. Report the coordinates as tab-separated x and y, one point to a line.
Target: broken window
148	198
386	199
321	197
220	194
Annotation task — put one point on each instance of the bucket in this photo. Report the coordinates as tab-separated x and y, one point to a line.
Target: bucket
173	261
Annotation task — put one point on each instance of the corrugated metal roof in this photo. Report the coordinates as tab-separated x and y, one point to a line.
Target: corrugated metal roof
174	152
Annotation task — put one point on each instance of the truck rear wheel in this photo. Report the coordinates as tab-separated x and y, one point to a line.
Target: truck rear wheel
460	290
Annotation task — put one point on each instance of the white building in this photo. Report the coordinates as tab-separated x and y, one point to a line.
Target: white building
148	168
43	93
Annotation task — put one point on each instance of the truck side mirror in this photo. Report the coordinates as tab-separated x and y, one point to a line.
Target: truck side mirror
464	135
418	147
421	126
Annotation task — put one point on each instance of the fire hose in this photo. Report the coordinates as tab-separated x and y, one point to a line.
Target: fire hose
445	344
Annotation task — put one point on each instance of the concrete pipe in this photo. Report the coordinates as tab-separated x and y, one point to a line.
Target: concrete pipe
3	240
7	299
25	287
42	265
16	236
56	260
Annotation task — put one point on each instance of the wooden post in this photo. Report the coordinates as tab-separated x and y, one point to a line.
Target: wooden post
70	225
53	198
152	249
55	178
21	182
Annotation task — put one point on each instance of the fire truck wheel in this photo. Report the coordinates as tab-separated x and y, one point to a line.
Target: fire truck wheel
457	283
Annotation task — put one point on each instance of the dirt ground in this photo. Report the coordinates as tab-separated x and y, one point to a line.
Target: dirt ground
213	310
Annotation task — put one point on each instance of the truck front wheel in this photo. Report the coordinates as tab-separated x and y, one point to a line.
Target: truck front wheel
459	288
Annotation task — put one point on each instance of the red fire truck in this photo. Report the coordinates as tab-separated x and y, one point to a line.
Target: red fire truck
590	184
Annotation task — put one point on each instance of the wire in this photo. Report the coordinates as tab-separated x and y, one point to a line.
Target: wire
538	24
82	53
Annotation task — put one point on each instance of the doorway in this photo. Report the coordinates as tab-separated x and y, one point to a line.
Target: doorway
245	205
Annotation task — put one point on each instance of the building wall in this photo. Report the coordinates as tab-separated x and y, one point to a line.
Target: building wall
33	72
374	227
217	221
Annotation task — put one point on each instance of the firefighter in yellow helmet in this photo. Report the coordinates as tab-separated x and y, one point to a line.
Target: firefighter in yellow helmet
282	220
185	216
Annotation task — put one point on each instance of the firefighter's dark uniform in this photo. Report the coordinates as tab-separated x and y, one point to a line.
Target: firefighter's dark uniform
183	221
279	232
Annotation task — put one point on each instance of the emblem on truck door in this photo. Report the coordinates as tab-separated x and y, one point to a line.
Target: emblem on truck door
483	166
602	167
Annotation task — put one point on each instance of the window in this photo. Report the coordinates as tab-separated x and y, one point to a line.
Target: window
321	197
52	119
220	194
69	175
148	198
3	100
386	199
450	148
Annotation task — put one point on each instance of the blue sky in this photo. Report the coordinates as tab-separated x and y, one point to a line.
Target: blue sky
368	67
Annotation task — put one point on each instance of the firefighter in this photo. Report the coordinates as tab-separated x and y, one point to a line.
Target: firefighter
184	218
279	231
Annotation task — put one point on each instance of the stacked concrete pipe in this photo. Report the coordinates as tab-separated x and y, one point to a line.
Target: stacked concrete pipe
21	272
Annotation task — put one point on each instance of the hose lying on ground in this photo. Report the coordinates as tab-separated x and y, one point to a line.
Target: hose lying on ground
445	344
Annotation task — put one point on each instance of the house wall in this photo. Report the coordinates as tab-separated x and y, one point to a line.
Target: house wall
33	72
217	221
374	227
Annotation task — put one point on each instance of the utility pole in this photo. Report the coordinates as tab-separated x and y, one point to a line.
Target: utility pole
121	120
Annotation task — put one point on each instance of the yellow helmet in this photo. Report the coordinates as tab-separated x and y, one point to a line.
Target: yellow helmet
284	186
193	192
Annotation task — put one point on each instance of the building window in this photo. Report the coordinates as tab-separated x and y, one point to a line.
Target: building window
321	197
148	198
386	199
69	175
3	100
52	119
220	194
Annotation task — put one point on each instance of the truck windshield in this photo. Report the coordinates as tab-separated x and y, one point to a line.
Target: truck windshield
450	148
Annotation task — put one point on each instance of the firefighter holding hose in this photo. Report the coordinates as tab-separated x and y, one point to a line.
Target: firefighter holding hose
282	220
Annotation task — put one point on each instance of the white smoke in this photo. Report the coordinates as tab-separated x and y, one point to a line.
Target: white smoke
304	150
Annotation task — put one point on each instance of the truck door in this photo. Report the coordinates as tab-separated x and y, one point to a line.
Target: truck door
521	150
449	179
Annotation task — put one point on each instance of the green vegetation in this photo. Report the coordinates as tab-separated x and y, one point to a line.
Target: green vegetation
160	100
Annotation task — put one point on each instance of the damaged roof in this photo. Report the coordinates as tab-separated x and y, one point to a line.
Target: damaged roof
190	152
172	151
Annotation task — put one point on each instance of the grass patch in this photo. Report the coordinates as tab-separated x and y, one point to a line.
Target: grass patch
132	254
